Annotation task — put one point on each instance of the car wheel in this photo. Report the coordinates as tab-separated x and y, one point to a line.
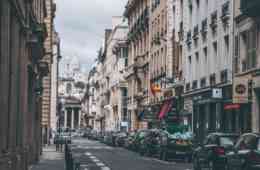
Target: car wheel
164	156
211	165
196	164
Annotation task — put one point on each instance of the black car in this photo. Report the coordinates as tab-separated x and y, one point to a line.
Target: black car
212	154
174	146
129	141
150	144
246	153
120	139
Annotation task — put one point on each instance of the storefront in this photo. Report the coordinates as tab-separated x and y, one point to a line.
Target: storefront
209	114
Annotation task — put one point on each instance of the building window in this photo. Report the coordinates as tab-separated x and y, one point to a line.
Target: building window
203	82
197	56
205	51
212	79
195	84
225	11
188	87
189	58
214	21
248	48
215	48
226	40
224	76
236	46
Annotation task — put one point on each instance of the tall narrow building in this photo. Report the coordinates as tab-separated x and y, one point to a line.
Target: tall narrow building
46	99
137	73
246	85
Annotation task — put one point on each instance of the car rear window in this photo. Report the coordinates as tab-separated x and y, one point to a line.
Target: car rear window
227	141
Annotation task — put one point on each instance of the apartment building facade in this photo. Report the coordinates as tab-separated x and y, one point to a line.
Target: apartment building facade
22	32
207	63
137	73
246	65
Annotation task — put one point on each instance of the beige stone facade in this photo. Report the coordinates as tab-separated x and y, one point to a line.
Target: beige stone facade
137	73
46	99
247	63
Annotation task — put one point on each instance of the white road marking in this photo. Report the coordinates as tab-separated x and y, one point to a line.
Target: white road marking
93	157
100	164
88	154
95	160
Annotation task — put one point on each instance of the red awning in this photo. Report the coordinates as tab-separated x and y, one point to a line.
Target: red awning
232	106
165	108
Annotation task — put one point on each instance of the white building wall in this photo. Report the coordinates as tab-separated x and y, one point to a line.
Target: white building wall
205	66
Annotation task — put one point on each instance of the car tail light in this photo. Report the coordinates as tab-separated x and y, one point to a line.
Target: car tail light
255	157
220	151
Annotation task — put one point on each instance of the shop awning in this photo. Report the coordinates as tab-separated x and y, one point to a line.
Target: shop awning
166	107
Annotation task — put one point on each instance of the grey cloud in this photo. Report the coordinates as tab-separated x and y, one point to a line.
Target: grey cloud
81	25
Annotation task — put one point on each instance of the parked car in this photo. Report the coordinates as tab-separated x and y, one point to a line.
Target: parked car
176	146
212	154
120	139
139	139
246	153
150	145
129	141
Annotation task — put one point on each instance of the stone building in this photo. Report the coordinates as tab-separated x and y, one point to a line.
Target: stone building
22	34
207	63
48	58
114	65
54	81
165	63
71	90
137	73
246	85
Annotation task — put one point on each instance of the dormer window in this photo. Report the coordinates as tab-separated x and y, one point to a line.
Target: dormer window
196	32
214	20
225	12
188	38
204	26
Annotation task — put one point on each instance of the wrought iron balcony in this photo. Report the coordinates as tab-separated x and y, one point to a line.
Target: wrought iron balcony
250	7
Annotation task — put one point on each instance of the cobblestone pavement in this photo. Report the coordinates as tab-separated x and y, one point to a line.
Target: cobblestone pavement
50	160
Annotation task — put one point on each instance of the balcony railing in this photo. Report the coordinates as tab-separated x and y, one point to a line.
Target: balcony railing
250	7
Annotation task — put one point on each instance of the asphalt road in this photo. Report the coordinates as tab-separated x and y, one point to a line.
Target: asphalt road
98	156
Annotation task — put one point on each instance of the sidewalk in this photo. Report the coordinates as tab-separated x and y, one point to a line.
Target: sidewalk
50	160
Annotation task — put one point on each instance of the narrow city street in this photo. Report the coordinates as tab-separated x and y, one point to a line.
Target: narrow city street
97	156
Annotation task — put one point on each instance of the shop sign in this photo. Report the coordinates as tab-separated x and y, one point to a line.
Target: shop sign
217	93
232	106
240	90
188	105
169	93
124	124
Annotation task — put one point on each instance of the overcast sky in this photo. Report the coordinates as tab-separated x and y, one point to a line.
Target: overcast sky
81	25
